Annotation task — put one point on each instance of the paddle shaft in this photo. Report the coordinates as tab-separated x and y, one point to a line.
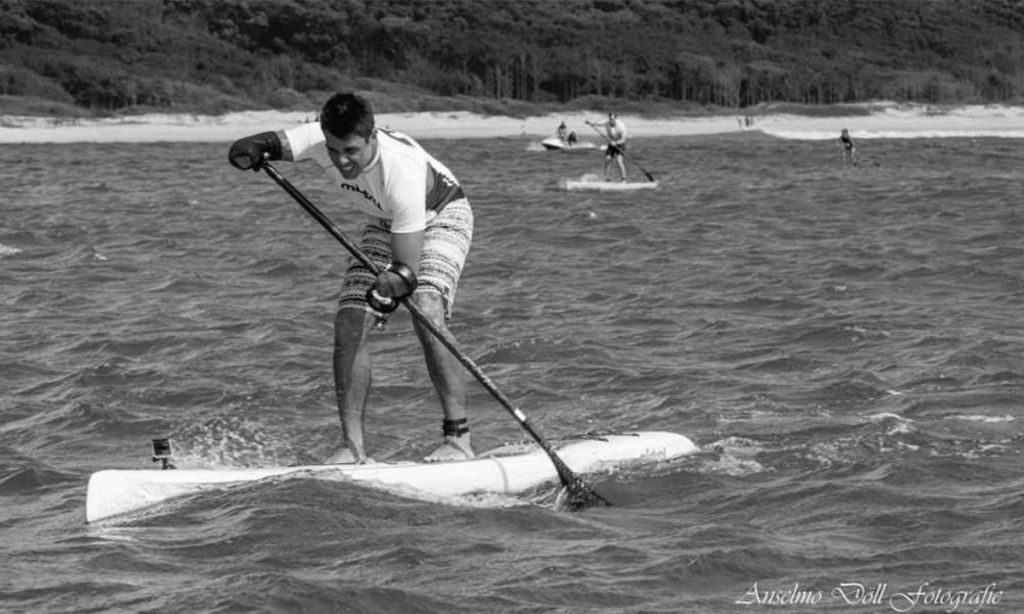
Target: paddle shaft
565	474
622	153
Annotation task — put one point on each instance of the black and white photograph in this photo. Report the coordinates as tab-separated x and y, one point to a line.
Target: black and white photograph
512	306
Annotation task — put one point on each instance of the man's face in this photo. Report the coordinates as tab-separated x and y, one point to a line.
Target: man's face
352	154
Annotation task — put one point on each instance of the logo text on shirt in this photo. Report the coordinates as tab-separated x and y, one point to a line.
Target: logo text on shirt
362	192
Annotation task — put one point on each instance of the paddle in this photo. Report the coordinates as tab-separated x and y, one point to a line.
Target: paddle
578	494
650	177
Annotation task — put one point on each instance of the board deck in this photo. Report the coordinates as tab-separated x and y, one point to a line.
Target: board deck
609	186
504	471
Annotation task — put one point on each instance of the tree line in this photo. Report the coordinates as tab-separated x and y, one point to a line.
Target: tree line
218	55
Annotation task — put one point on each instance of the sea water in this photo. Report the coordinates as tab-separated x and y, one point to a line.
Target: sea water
844	343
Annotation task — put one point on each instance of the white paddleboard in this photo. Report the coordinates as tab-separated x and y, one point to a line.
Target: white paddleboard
503	471
608	186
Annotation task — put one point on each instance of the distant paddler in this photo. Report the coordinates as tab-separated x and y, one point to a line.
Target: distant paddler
847	149
615	132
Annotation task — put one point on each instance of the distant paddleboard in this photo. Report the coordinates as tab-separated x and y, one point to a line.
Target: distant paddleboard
505	470
593	182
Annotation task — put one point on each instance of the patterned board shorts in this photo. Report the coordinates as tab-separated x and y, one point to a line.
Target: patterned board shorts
445	247
615	150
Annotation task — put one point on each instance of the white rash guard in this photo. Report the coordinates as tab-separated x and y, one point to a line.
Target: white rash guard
402	184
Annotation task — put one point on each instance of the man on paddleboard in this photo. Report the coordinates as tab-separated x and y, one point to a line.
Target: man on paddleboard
615	132
418	232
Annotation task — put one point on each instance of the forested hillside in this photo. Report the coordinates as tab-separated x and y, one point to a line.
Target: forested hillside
123	56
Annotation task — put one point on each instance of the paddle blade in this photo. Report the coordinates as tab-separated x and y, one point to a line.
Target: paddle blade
576	495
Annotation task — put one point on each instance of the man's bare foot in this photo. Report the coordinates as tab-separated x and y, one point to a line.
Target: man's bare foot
453	449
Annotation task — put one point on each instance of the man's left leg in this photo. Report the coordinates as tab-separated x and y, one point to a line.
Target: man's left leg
448	376
445	248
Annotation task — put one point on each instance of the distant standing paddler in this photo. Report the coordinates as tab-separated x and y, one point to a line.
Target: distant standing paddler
847	148
615	132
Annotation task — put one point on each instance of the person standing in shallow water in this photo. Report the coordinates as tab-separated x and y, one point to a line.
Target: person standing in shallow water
847	149
418	231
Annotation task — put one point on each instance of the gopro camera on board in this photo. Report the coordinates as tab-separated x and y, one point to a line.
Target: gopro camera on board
162	452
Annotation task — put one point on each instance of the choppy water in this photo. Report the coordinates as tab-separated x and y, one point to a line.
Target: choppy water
845	344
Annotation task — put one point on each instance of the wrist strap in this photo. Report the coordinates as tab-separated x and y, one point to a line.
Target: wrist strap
382	304
407	276
387	304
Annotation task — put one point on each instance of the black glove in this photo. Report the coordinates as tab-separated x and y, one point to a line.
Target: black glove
250	152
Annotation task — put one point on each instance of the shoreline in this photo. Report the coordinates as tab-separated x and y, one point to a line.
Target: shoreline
889	121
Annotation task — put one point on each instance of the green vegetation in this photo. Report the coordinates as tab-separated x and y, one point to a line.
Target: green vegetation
510	57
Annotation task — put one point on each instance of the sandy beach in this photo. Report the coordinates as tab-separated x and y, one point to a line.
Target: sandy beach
889	121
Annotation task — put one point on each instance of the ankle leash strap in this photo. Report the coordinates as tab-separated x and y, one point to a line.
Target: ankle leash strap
455	428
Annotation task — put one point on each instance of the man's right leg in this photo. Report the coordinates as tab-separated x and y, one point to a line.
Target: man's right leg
352	377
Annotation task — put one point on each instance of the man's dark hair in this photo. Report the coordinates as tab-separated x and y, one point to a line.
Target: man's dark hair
346	114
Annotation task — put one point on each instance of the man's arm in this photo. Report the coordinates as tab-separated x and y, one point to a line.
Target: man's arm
406	248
